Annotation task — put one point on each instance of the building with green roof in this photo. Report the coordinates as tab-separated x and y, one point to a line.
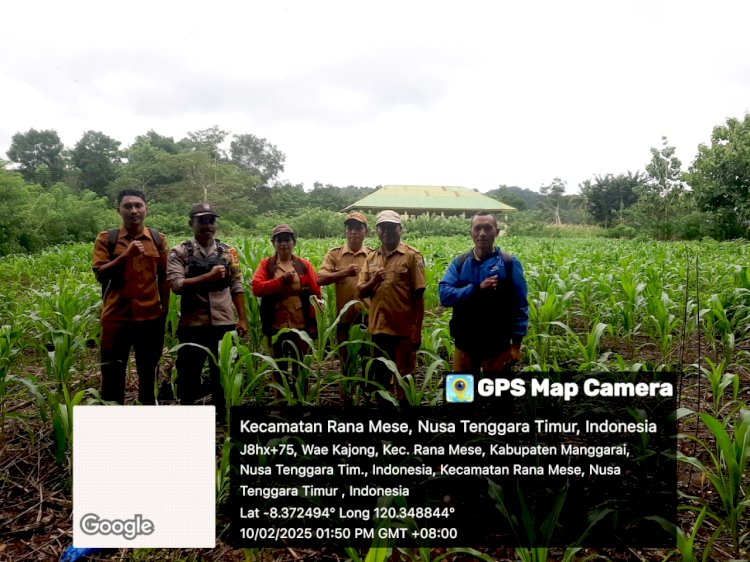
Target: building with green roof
442	200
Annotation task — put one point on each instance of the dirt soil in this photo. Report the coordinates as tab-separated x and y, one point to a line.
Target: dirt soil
36	506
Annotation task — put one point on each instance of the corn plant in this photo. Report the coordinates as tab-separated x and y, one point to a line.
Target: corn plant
720	325
588	352
686	542
230	359
720	380
629	307
438	340
59	399
223	472
726	468
172	321
527	530
428	392
664	322
9	339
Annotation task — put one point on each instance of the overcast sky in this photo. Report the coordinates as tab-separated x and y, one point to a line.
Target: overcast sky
476	94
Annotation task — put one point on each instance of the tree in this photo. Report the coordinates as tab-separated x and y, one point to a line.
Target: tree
97	156
148	168
333	198
662	196
257	156
607	196
518	197
33	149
206	140
720	177
166	144
554	192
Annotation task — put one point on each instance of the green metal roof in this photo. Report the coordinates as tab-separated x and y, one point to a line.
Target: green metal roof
429	198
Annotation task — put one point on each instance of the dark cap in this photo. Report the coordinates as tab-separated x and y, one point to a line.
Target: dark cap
201	209
282	229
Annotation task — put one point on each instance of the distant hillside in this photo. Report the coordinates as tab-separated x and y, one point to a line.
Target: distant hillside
518	197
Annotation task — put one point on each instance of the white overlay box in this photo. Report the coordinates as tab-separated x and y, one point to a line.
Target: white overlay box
144	476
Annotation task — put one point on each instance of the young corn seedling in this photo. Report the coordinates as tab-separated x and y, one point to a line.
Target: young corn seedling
725	469
527	527
664	323
232	357
588	352
685	542
223	472
172	322
9	341
720	381
428	392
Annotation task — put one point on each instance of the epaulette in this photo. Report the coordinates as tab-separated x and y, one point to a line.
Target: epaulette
412	248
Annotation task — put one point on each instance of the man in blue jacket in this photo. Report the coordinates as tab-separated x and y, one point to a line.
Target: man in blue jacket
487	291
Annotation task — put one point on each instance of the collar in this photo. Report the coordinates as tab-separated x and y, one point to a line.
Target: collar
197	245
345	249
401	248
145	233
494	253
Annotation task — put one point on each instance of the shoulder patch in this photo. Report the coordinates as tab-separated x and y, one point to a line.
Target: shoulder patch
173	255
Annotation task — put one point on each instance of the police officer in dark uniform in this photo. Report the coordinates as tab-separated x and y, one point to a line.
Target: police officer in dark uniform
206	273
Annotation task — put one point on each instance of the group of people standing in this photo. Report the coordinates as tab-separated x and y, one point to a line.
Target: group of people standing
485	287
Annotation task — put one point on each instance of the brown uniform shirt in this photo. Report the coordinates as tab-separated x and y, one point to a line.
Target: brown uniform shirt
289	308
131	292
215	307
392	308
338	259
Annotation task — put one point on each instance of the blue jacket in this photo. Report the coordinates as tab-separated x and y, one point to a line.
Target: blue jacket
486	317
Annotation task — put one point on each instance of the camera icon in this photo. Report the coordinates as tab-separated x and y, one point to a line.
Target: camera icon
459	388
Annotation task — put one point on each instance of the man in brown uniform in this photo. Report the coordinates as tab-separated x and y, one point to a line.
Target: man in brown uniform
393	276
206	273
341	265
130	263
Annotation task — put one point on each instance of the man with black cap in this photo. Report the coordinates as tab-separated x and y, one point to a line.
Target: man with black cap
393	277
341	265
206	273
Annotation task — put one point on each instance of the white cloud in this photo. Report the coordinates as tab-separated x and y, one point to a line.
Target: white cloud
392	92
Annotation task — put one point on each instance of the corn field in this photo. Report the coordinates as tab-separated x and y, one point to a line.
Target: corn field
594	305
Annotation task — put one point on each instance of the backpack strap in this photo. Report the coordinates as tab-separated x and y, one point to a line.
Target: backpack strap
462	259
112	242
158	240
222	249
507	262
